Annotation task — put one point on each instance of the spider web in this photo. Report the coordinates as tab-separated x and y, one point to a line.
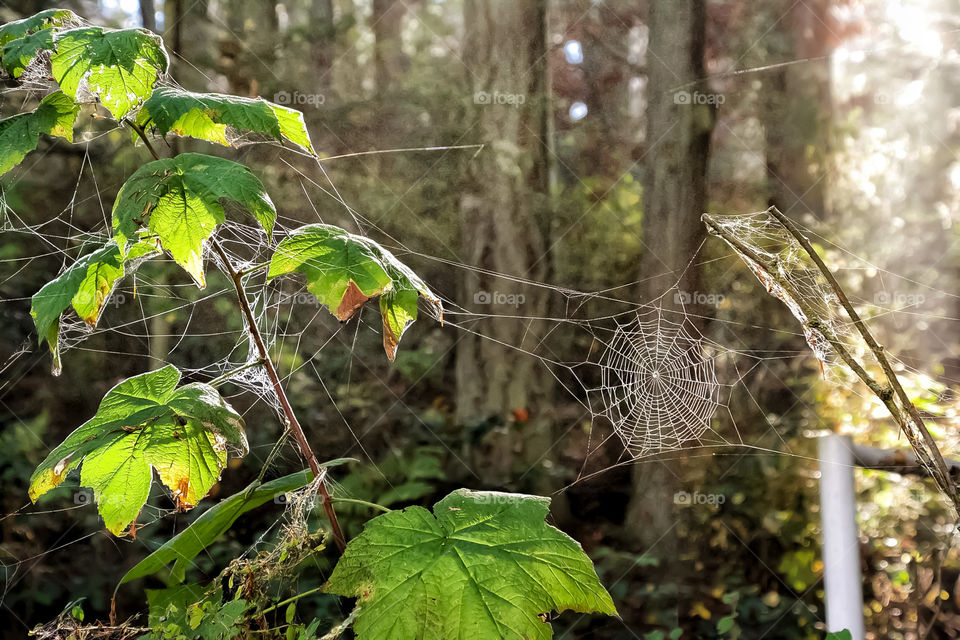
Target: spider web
660	389
790	275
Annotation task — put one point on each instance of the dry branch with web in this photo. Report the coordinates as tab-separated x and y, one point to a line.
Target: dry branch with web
790	268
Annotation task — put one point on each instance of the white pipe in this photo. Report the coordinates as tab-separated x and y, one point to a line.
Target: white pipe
843	582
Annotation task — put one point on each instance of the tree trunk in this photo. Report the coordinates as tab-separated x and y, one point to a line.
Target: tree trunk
148	15
389	61
674	197
797	111
321	45
500	390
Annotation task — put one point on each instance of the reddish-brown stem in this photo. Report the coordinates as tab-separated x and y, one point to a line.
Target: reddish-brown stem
292	423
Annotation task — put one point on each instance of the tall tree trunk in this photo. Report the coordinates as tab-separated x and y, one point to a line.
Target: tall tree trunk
674	197
389	61
798	109
188	35
248	50
505	194
148	15
321	45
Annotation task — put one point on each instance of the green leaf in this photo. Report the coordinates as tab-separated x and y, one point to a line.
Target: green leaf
189	612
44	20
119	67
726	623
483	565
211	524
24	39
220	118
86	285
839	635
179	597
20	134
178	200
344	270
144	422
18	54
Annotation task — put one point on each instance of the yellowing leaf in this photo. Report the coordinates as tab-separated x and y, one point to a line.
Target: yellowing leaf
344	270
85	285
20	134
119	67
223	119
147	421
178	200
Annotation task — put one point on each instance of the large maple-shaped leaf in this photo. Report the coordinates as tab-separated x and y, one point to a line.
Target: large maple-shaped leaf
20	134
118	67
344	270
178	200
222	119
483	565
86	285
143	422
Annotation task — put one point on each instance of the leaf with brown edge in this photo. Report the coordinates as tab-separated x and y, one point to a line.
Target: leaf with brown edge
147	422
86	285
352	300
344	270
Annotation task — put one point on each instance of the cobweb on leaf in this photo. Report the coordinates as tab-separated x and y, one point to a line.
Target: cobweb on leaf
789	275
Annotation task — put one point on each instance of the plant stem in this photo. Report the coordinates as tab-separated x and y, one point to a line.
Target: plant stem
932	458
364	503
292	423
256	267
229	374
302	594
143	136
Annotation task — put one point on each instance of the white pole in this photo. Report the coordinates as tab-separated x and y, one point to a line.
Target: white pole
843	583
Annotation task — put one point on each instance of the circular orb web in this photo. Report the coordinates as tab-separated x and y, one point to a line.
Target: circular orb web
659	389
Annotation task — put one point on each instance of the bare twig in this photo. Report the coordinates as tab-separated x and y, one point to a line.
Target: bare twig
229	374
905	413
